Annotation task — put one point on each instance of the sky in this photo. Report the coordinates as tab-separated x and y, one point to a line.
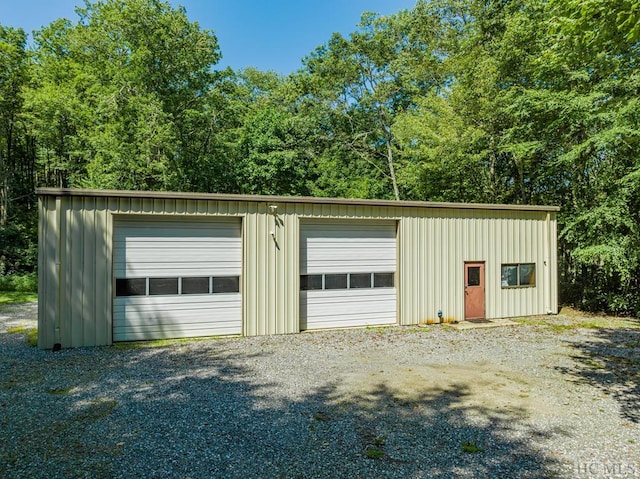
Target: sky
265	34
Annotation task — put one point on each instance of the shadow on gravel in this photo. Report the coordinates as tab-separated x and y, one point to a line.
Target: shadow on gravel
207	413
611	362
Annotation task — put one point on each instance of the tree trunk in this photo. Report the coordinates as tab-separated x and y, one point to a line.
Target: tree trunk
392	170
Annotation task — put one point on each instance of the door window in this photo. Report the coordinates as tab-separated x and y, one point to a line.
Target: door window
473	276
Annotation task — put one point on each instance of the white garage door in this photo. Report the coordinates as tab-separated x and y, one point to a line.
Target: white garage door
176	277
347	275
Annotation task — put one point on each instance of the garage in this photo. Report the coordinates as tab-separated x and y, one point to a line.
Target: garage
176	277
134	265
347	274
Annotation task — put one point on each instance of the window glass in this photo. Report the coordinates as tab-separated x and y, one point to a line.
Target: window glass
383	280
527	274
509	275
473	276
163	286
310	282
131	286
360	280
226	284
195	285
335	281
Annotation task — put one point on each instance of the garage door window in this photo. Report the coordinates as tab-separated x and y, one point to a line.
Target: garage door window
360	280
383	280
195	285
227	284
163	286
175	286
310	282
131	287
335	281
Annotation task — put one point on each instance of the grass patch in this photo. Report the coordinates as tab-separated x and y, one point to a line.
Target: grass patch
59	391
158	343
32	337
32	334
164	343
374	452
567	323
471	448
17	297
321	416
17	329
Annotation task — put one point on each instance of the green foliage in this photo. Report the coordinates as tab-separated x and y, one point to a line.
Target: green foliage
26	283
373	452
113	93
360	84
470	448
32	337
19	248
31	334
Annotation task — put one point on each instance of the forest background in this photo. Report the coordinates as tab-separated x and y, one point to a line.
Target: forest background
494	101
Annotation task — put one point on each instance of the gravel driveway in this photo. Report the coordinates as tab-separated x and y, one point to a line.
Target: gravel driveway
528	401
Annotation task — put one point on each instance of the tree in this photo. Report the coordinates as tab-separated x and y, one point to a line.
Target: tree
361	83
16	148
121	89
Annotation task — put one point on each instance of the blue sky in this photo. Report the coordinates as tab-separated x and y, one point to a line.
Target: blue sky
269	35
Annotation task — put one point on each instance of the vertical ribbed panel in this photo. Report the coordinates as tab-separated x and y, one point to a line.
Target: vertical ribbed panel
76	278
271	262
553	263
48	270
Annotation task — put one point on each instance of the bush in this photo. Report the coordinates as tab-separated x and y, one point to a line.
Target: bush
19	242
26	283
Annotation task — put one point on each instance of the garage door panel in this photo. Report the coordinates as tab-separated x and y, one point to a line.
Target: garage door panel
153	319
178	302
160	270
347	248
164	227
348	266
348	309
206	319
144	334
144	256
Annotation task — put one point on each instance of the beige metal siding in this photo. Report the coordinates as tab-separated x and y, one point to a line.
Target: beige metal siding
270	265
48	270
434	246
75	258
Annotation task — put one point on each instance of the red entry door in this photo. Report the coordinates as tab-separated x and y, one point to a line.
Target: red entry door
474	291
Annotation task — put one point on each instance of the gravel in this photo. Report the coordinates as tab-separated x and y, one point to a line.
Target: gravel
525	401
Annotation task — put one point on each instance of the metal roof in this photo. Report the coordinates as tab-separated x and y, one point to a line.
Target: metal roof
283	199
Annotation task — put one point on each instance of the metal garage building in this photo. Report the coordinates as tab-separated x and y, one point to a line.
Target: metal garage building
126	265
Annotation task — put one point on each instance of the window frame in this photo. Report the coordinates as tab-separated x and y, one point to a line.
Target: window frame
518	275
387	278
124	287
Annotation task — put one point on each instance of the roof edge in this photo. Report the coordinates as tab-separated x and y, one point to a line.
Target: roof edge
62	192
